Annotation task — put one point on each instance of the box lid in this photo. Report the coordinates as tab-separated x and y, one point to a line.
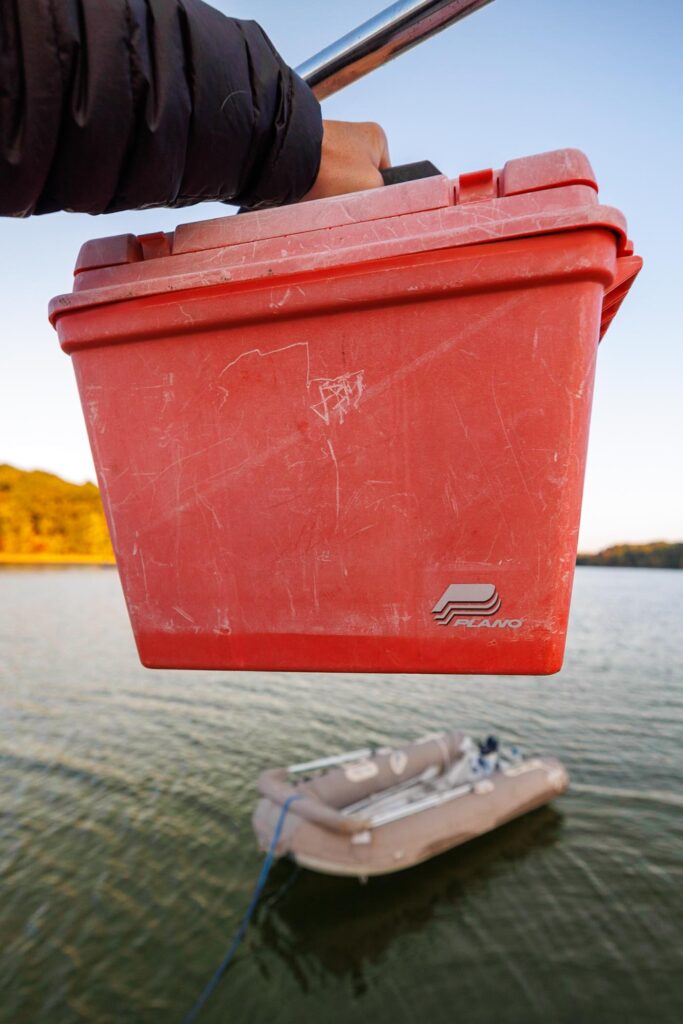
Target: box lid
535	195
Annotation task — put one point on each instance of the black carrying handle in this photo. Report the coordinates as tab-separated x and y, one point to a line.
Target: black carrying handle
410	172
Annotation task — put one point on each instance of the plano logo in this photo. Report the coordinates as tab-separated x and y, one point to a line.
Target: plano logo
471	605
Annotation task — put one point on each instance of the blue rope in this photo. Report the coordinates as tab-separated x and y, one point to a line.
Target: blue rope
244	923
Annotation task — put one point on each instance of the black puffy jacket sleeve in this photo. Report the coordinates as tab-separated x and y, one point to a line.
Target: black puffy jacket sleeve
121	104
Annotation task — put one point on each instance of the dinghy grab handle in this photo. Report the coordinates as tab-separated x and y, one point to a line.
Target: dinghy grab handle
272	784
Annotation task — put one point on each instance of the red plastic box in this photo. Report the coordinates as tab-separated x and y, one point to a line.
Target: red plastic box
351	434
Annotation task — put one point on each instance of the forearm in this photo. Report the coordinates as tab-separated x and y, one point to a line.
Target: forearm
109	105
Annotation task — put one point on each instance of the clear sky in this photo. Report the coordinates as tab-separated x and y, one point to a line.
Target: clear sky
516	78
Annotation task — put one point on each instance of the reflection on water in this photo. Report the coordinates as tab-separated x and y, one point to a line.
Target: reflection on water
127	857
345	925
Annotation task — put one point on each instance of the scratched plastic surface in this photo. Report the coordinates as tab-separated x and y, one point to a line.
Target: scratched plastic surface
351	435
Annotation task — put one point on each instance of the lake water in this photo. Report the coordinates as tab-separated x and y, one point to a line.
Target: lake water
127	857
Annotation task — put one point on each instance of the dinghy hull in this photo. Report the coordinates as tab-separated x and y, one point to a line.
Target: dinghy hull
322	838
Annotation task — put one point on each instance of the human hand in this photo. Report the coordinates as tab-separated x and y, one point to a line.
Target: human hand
353	154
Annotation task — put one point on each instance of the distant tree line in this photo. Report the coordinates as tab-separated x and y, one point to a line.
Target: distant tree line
657	555
42	515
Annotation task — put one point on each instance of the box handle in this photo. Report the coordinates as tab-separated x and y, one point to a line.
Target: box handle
410	172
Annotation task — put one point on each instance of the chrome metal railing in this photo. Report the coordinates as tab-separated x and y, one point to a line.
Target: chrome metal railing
394	30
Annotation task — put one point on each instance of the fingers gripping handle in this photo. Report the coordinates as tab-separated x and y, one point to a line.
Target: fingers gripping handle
401	173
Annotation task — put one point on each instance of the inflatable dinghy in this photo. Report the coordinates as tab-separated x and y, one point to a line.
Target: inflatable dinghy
376	811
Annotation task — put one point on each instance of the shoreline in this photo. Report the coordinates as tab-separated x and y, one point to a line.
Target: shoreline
54	559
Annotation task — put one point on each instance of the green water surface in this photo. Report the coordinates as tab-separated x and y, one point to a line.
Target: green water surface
127	857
